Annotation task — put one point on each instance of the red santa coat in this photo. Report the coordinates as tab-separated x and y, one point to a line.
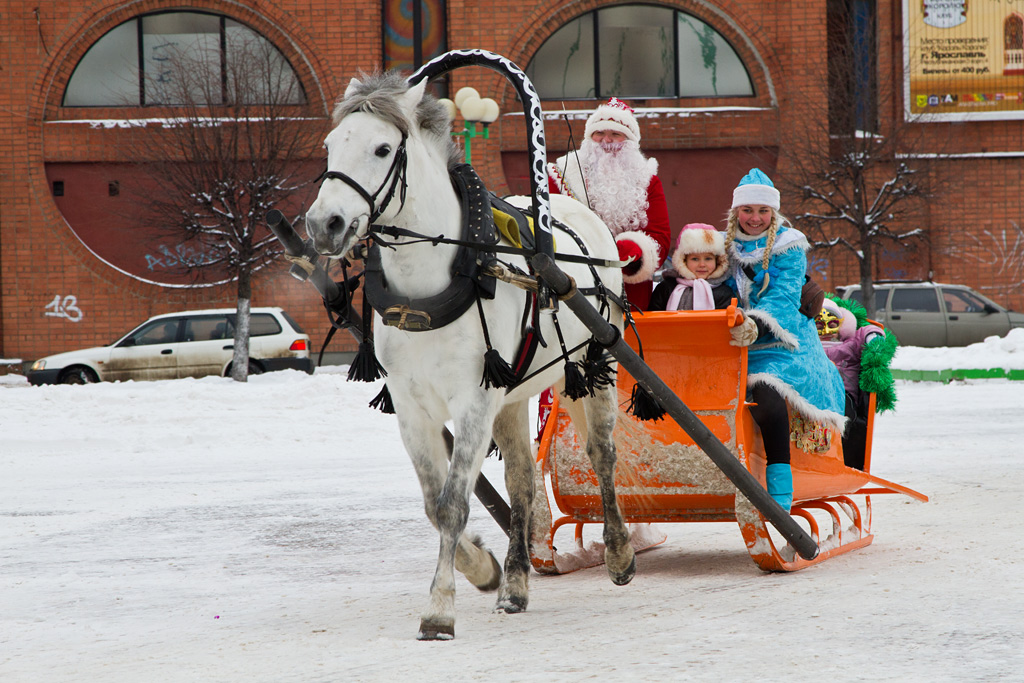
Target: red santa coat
653	238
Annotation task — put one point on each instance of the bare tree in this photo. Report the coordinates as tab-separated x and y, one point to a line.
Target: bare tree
859	170
234	136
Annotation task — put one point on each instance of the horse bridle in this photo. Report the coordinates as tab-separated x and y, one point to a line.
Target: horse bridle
396	174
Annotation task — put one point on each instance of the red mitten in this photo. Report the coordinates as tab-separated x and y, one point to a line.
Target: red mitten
628	249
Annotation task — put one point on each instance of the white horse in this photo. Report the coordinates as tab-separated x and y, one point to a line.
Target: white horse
434	376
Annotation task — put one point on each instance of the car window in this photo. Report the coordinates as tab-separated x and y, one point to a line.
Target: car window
959	301
208	328
157	332
263	324
923	300
291	321
881	296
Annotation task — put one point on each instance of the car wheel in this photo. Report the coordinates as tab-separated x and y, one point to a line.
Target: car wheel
78	375
254	369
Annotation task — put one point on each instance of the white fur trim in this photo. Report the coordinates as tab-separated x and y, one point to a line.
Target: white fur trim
790	238
798	403
650	259
749	195
699	241
607	117
787	338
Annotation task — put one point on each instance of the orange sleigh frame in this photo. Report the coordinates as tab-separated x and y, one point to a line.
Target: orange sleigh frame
662	476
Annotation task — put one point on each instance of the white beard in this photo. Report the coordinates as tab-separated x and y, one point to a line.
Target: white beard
617	183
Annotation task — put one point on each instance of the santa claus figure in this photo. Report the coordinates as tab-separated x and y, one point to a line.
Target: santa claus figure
611	175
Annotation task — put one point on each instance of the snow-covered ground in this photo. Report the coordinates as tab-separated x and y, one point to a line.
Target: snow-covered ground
995	352
206	530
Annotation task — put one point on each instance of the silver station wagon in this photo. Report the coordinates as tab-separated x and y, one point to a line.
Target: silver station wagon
187	344
935	314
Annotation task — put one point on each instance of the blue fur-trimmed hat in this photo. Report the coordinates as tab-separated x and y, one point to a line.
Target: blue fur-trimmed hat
756	188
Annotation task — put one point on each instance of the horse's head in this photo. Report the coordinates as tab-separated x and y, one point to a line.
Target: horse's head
366	159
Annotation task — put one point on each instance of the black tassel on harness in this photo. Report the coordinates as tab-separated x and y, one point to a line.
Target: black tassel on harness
365	367
575	385
597	371
643	406
497	372
382	402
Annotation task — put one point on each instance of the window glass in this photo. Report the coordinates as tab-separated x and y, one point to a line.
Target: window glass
109	71
157	332
708	66
959	301
635	51
915	299
641	51
291	321
564	65
208	328
257	71
186	58
171	41
881	297
262	324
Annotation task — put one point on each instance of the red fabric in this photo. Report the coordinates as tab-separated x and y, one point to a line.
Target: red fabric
629	250
544	410
657	228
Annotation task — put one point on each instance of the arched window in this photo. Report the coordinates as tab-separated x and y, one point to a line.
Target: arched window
638	51
143	62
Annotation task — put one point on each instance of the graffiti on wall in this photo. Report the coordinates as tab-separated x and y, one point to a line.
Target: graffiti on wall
64	307
1001	252
180	256
818	265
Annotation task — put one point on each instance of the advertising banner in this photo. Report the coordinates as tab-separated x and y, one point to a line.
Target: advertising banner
964	59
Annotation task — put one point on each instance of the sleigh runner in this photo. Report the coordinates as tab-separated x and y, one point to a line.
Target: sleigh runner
664	476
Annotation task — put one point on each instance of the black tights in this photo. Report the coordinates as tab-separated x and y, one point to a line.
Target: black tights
772	417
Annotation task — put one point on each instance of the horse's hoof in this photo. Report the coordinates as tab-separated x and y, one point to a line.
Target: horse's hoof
511	605
495	579
436	630
622	578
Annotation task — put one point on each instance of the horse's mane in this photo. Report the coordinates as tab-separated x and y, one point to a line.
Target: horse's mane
378	94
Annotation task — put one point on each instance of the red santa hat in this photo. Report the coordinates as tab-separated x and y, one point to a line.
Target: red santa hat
699	238
613	115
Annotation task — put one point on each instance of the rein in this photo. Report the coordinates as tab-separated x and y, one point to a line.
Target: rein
393	231
396	174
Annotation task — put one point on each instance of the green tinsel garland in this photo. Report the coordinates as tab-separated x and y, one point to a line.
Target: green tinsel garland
875	375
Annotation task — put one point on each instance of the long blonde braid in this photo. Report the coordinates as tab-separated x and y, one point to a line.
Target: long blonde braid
733	225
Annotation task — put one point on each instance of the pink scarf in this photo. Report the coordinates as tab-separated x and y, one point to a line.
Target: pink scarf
703	299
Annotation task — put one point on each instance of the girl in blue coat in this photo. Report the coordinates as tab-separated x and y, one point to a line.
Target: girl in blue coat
786	362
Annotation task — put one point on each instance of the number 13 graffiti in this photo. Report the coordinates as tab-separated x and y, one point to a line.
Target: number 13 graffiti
64	308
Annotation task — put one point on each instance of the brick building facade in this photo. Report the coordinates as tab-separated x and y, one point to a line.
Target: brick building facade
61	289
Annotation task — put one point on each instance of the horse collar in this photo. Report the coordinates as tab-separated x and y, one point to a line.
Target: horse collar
467	279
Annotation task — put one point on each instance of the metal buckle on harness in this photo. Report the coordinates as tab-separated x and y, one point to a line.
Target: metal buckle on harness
405	318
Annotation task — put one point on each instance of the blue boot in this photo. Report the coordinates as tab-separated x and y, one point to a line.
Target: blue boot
780	484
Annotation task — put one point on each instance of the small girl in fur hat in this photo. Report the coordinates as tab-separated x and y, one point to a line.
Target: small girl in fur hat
697	279
786	365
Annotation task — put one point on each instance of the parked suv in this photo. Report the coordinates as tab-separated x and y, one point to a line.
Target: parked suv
187	344
935	314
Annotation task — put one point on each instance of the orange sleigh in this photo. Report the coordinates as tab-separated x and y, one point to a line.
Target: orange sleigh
663	476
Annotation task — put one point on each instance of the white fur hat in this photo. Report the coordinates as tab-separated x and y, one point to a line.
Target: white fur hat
613	115
756	188
699	238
